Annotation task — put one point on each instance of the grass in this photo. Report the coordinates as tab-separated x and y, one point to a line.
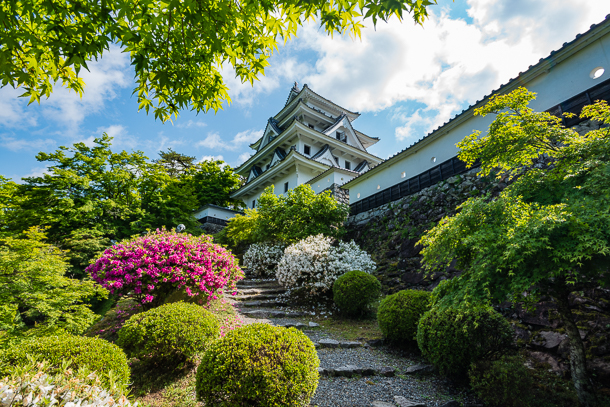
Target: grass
351	329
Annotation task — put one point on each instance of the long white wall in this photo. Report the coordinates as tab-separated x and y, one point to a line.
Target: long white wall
561	82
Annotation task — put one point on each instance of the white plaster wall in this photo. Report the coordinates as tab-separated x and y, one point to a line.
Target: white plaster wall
215	212
333	177
564	80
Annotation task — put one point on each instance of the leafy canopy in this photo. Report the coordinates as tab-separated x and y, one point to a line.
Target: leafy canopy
178	48
35	294
550	229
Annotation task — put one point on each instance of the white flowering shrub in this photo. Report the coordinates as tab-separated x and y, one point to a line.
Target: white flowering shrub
262	258
32	386
314	263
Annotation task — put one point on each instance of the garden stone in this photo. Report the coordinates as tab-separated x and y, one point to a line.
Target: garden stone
350	344
347	371
382	404
313	324
322	371
419	368
404	402
328	343
387	371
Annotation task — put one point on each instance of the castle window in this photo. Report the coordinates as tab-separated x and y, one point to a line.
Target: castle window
348	165
253	203
338	135
268	165
307	149
285	187
310	126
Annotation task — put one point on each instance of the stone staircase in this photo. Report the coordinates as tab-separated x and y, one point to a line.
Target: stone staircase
258	299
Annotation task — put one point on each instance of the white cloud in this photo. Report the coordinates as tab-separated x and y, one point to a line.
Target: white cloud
243	157
242	139
190	124
445	65
15	144
120	135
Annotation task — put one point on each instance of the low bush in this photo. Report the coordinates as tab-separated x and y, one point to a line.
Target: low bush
513	381
170	333
152	267
33	385
259	366
355	291
313	264
108	327
262	258
399	314
453	338
98	355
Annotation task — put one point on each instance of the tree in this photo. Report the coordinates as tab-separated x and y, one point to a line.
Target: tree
214	182
34	291
177	48
91	196
546	234
175	163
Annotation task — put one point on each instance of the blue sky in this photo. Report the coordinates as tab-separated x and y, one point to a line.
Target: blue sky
406	80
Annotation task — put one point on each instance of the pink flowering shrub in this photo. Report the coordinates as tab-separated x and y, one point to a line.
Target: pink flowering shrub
150	267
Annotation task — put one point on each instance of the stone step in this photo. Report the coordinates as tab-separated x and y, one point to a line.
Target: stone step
351	371
253	297
271	313
270	290
257	283
266	304
331	343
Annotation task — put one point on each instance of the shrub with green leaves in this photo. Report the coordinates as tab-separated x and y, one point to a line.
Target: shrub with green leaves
399	313
355	291
172	332
453	338
98	355
259	366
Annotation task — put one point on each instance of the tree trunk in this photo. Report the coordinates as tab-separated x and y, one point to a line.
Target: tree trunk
578	361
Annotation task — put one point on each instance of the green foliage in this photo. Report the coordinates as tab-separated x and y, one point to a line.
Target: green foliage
177	49
288	218
355	291
399	314
453	338
505	382
259	365
36	297
170	333
106	359
508	382
213	183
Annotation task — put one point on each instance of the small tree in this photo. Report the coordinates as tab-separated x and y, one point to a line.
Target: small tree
34	291
547	234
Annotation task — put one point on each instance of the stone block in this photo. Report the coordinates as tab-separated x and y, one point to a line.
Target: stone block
387	371
382	404
328	343
404	402
420	369
350	344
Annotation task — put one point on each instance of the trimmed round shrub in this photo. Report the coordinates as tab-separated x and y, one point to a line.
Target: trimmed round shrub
399	313
33	385
453	338
355	291
262	258
259	366
313	264
175	332
94	354
505	382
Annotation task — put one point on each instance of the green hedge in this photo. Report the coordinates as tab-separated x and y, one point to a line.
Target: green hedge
94	353
355	291
399	314
170	333
454	338
259	366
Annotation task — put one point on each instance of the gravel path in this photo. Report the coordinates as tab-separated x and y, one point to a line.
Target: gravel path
433	390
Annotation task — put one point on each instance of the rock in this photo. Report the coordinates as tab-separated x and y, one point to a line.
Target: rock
451	403
412	278
420	368
328	343
346	371
557	367
548	339
350	344
368	371
382	404
299	325
404	402
313	325
322	371
387	371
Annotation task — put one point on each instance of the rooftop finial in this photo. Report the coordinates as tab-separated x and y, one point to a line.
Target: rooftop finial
295	87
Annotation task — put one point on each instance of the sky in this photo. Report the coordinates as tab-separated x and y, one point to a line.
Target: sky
406	80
